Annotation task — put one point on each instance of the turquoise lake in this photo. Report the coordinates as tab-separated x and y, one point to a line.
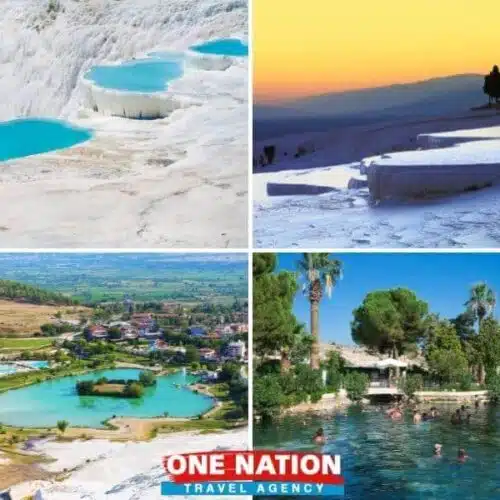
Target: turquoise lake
42	405
386	460
31	136
140	75
222	47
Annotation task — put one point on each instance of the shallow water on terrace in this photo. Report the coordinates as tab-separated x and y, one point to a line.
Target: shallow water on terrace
386	460
31	136
140	75
42	405
7	369
37	364
223	47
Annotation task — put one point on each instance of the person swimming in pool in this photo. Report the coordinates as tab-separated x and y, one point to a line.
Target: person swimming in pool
434	412
437	449
456	418
463	410
391	410
319	437
462	456
417	418
397	414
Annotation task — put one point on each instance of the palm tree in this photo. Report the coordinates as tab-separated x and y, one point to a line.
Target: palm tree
320	273
481	304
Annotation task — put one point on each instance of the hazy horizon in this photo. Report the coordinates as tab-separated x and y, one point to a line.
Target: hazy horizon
292	100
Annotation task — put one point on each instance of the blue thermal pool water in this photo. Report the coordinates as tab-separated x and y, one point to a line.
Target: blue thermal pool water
43	404
7	369
141	75
386	460
31	136
222	47
36	364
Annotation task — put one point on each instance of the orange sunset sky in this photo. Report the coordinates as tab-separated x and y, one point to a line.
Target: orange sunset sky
307	47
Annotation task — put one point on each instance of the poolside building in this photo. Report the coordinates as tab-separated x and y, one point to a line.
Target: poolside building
381	369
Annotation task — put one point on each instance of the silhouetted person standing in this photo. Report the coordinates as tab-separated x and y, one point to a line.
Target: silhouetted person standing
492	85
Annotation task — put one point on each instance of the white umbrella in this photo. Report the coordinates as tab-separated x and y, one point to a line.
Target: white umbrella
391	363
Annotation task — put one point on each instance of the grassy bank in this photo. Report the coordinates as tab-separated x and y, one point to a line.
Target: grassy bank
26	378
23	344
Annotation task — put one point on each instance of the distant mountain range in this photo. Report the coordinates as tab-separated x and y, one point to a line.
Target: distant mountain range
438	96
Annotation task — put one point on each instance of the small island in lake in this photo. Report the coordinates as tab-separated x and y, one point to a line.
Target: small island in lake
120	388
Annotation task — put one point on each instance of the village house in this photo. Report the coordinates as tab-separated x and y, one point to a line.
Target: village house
207	354
96	332
239	327
197	331
142	321
161	345
236	350
209	377
224	330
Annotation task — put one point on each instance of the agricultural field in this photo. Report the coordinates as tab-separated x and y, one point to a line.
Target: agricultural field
93	278
23	320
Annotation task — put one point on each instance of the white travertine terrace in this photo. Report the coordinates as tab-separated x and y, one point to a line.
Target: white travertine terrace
441	139
138	105
462	167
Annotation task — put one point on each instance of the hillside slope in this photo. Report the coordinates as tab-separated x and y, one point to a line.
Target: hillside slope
14	290
136	183
47	45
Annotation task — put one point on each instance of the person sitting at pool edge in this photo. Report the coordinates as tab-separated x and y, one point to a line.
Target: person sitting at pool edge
319	437
462	456
437	449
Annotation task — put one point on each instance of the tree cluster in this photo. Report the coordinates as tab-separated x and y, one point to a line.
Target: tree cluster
13	290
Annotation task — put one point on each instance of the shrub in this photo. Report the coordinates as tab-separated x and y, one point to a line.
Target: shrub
147	378
309	382
493	386
53	6
133	390
355	384
411	384
334	369
267	396
465	382
62	425
229	371
85	387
